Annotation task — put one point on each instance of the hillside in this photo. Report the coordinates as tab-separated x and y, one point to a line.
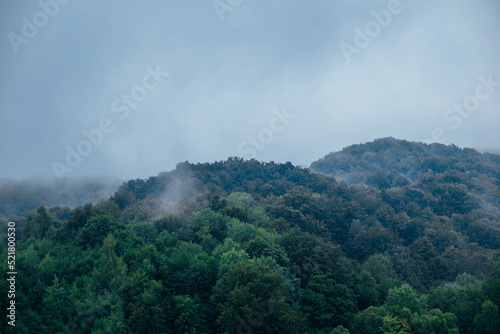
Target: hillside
407	161
254	247
439	171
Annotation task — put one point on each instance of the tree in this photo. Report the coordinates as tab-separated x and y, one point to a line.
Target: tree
57	305
491	286
253	298
229	259
148	308
326	303
488	320
434	321
467	306
109	271
259	247
96	229
77	220
367	290
340	330
306	252
369	321
187	315
213	223
39	225
145	230
403	298
380	267
396	325
169	223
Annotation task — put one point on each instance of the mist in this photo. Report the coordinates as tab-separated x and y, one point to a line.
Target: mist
130	90
20	197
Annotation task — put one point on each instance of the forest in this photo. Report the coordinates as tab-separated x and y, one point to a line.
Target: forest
385	237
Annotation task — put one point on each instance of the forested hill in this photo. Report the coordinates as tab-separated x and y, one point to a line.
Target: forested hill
241	246
389	162
440	173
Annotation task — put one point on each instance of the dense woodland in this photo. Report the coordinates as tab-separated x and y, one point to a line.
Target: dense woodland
385	237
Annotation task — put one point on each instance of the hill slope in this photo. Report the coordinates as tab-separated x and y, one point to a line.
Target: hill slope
435	169
273	248
365	162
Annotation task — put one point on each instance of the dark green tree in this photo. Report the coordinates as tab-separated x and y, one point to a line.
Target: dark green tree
253	298
369	321
39	225
327	303
96	229
488	320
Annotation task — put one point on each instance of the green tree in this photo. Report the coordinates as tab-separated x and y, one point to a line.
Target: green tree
229	259
259	247
110	271
326	303
488	320
434	321
369	321
57	306
340	330
39	225
145	230
402	298
396	325
380	267
114	323
491	286
367	290
149	306
96	229
187	317
77	220
467	306
213	223
253	298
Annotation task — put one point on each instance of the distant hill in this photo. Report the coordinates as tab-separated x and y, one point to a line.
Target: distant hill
402	162
441	172
19	197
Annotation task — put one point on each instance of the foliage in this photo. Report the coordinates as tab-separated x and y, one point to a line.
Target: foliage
253	296
488	320
262	247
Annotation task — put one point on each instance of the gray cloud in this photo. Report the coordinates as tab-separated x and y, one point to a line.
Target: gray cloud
226	77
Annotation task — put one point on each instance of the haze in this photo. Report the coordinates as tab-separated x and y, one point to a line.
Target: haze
133	88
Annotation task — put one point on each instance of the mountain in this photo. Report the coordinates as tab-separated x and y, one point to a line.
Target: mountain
388	236
441	172
403	162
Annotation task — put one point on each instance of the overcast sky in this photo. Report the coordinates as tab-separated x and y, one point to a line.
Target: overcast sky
155	83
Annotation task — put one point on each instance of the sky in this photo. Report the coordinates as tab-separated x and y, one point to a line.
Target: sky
129	89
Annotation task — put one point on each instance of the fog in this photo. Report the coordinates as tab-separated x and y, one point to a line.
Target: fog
131	89
20	197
